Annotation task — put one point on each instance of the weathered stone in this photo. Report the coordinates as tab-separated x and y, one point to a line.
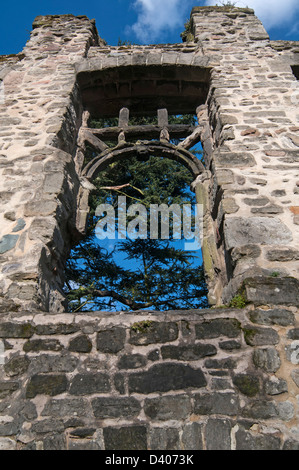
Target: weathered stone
111	341
188	353
276	386
65	407
229	345
255	336
241	231
156	332
42	384
168	407
45	363
89	383
218	434
260	410
17	365
229	327
133	361
165	377
216	403
267	359
164	439
7	444
119	407
16	330
81	344
272	290
36	345
276	316
247	384
56	329
192	437
8	242
246	440
295	376
8	388
125	438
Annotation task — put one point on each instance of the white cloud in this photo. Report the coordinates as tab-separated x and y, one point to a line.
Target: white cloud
273	13
157	16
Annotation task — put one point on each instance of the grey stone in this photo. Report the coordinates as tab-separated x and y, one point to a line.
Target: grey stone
111	341
36	345
115	407
249	441
241	231
192	436
20	225
81	344
16	330
131	361
125	438
295	376
165	377
261	409
276	316
229	327
65	407
89	383
41	384
218	434
53	363
165	408
156	332
8	388
272	290
267	359
8	242
223	403
188	353
164	439
256	336
276	386
248	384
17	365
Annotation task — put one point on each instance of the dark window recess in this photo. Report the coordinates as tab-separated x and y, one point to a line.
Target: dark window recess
295	70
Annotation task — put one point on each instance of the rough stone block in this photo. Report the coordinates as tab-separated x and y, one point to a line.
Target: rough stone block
125	438
42	384
218	434
188	353
165	377
164	439
156	332
89	383
168	407
111	407
111	341
216	403
215	328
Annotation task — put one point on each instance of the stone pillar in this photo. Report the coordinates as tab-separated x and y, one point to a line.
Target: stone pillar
251	147
39	118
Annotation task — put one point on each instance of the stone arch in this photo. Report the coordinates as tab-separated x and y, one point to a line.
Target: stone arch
143	150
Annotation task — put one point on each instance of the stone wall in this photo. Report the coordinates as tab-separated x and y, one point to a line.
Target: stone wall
215	379
218	378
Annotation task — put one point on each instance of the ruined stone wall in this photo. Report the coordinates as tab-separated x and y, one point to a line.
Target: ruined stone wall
217	378
253	117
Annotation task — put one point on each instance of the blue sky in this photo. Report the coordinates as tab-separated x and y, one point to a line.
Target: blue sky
140	21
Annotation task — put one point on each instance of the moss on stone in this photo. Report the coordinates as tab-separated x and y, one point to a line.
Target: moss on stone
141	326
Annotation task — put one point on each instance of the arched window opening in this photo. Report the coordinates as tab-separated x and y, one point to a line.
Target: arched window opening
136	254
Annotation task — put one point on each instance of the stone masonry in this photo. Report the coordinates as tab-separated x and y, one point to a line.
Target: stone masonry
222	378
